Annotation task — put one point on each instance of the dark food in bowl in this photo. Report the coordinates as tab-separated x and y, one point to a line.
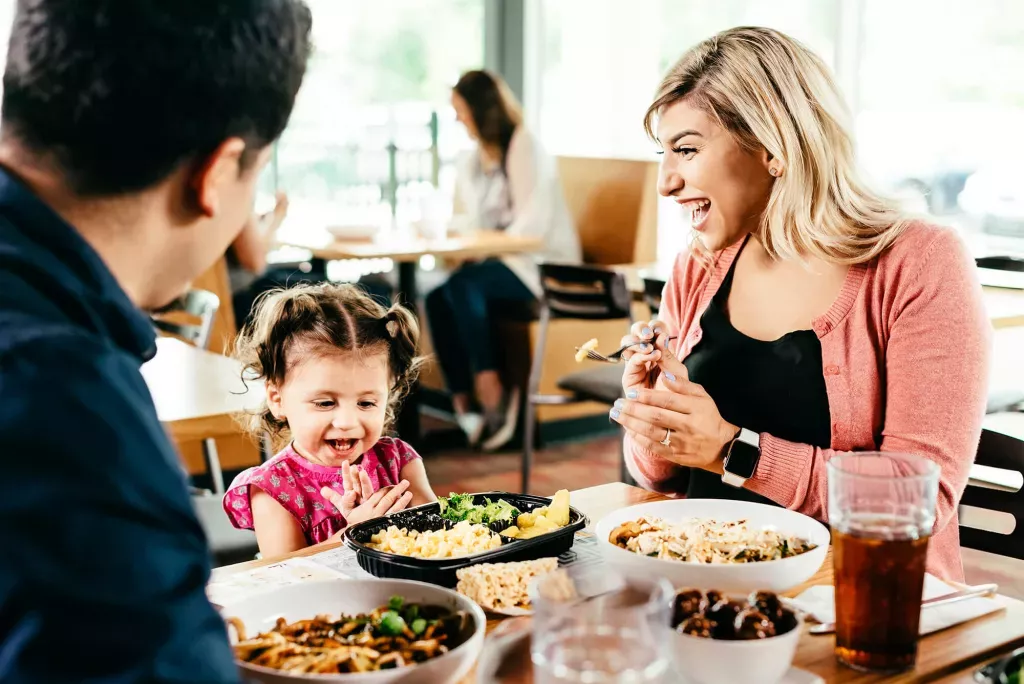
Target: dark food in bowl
754	625
688	603
397	635
713	616
698	625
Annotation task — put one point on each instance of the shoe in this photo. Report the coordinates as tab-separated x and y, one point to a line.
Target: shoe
473	425
503	422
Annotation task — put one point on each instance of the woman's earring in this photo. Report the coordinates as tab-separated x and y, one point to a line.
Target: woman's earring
772	170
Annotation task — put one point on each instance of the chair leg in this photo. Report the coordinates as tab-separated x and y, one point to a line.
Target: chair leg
213	466
529	431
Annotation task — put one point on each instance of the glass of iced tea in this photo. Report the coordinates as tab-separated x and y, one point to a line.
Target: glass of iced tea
881	508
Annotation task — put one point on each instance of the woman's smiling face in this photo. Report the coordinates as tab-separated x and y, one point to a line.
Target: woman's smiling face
721	187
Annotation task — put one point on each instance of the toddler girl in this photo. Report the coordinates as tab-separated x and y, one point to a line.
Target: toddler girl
336	365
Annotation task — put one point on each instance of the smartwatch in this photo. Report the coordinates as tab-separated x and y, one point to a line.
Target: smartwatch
741	458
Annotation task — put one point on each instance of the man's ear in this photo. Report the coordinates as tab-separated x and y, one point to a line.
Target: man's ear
221	167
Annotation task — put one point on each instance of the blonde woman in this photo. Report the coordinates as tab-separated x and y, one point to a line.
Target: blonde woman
812	318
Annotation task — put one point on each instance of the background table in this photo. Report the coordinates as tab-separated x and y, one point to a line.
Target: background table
406	251
954	652
197	392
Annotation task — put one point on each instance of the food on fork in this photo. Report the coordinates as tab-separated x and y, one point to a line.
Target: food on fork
463	539
397	635
699	540
541	520
589	345
501	586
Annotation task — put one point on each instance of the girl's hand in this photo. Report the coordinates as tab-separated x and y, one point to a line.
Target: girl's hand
698	435
357	484
641	369
384	501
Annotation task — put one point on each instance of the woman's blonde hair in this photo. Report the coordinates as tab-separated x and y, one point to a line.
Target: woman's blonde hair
773	93
322	319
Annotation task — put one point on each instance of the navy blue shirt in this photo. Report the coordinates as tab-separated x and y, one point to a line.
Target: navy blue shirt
102	561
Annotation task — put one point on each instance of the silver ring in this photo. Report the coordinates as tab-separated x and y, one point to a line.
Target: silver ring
668	437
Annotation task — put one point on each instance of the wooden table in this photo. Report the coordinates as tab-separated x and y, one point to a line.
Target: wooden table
1005	306
952	653
406	251
197	392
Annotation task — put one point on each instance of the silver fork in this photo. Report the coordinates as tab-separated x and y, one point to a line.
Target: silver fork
616	356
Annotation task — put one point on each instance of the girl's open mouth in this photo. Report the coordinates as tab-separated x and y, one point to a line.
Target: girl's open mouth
343	446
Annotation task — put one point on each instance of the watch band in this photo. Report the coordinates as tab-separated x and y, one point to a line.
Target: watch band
741	458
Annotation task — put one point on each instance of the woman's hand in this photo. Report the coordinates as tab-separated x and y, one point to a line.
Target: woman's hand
641	361
698	435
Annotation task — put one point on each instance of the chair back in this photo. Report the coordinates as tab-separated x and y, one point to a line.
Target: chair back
197	304
1005	453
584	292
653	289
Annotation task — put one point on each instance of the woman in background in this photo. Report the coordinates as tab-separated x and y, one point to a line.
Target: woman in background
508	184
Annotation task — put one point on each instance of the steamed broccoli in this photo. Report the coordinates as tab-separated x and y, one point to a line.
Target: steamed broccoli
459	507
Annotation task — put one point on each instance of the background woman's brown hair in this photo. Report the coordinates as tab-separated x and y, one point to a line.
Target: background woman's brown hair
323	319
494	109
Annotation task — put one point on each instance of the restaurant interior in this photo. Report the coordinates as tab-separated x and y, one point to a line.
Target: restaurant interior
369	165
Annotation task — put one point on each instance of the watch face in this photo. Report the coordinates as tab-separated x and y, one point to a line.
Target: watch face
742	459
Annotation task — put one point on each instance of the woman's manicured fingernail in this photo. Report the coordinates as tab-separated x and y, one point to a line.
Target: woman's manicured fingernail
645	347
645	332
619	403
658	331
669	376
614	413
632	394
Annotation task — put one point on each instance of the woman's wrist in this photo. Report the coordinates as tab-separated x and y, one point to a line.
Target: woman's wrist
726	434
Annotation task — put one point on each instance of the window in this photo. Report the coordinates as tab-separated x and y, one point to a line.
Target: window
372	129
596	63
942	111
938	108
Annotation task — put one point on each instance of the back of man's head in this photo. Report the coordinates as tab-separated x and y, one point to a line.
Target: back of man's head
118	94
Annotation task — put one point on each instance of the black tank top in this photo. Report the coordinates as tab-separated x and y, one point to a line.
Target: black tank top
776	387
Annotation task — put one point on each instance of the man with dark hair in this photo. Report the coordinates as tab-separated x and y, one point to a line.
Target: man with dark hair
132	136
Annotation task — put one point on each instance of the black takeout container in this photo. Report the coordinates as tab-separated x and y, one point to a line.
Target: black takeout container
441	571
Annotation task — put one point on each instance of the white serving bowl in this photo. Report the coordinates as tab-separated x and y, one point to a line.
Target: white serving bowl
715	661
351	596
776	575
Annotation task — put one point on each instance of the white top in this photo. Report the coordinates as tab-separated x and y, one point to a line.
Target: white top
526	200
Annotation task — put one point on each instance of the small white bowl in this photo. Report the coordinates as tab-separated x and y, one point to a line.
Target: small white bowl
350	596
715	661
739	578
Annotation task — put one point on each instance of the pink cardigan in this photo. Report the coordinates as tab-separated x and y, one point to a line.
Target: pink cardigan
905	350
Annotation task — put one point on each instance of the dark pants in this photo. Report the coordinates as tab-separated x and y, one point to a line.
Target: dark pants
275	277
460	316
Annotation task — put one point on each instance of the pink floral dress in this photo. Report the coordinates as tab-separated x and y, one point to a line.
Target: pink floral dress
296	484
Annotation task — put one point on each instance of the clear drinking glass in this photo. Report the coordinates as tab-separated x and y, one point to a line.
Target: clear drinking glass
881	508
611	631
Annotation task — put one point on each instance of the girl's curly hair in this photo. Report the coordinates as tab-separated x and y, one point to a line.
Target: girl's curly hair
323	319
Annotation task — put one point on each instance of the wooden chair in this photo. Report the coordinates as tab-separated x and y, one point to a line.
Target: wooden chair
1004	452
586	293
